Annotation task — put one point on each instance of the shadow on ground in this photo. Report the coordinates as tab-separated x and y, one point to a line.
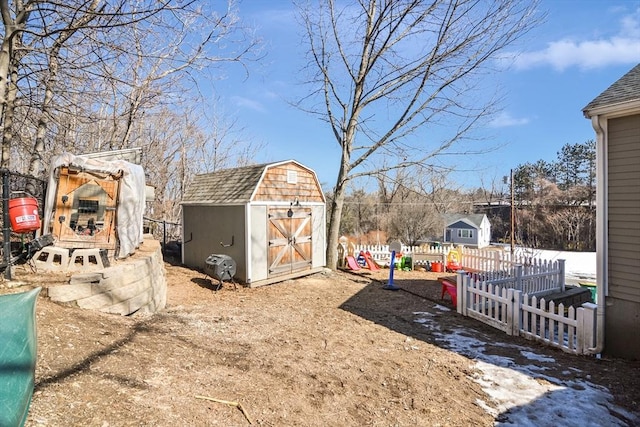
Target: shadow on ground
401	310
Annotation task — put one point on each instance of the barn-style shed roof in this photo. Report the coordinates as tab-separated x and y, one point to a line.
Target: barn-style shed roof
227	186
233	186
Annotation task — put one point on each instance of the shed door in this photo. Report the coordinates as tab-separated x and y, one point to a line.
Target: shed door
289	240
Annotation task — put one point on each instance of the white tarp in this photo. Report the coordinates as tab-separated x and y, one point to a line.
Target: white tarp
131	203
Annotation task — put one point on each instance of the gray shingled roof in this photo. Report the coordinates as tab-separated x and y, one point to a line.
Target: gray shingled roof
227	186
474	219
627	88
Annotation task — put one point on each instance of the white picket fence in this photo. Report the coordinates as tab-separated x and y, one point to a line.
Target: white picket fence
507	291
382	254
516	313
527	274
536	277
472	259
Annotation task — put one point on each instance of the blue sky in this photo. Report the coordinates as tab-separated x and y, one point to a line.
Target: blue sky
581	49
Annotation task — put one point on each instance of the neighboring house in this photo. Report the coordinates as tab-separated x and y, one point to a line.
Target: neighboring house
269	218
615	116
472	230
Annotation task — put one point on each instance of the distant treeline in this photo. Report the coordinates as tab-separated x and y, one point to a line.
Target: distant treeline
554	205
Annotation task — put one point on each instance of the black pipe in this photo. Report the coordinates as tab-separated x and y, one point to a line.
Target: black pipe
6	231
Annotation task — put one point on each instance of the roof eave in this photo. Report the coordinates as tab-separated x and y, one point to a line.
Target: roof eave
618	109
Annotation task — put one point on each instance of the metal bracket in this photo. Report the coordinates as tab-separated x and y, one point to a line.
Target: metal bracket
230	244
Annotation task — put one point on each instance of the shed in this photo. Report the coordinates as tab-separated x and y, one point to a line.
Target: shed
615	117
270	218
462	229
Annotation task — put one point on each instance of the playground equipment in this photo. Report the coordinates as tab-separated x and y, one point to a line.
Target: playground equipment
436	267
352	263
394	247
364	260
450	289
454	259
371	264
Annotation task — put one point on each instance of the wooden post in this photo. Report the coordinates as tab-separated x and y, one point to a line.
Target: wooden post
461	284
513	217
562	274
6	231
518	278
589	326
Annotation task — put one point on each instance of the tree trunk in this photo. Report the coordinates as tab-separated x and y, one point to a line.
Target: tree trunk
8	113
5	61
340	191
35	164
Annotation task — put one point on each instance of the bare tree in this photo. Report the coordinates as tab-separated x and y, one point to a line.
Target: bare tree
415	201
35	36
95	76
14	18
81	20
382	70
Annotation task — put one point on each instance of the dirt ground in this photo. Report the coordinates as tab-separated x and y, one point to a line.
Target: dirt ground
331	349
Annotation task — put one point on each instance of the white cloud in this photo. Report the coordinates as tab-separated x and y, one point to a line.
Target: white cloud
623	48
251	104
505	119
631	26
587	54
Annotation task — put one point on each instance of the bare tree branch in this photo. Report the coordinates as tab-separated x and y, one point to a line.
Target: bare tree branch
388	70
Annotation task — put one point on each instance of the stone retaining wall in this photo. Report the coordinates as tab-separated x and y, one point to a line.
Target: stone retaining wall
136	284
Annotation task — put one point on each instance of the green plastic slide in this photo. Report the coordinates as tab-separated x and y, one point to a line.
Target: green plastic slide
17	356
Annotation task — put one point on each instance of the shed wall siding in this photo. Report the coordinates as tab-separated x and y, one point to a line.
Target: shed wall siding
274	185
319	251
258	242
206	227
624	208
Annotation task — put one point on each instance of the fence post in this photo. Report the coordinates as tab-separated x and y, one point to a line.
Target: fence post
589	326
461	290
562	273
518	281
6	231
515	312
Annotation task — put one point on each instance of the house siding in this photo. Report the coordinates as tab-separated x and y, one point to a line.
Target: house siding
623	299
624	208
476	222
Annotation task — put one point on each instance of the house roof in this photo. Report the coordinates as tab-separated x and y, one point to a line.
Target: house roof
226	186
473	219
624	90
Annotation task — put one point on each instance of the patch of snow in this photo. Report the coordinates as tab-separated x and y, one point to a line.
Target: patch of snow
534	356
522	395
578	265
423	313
